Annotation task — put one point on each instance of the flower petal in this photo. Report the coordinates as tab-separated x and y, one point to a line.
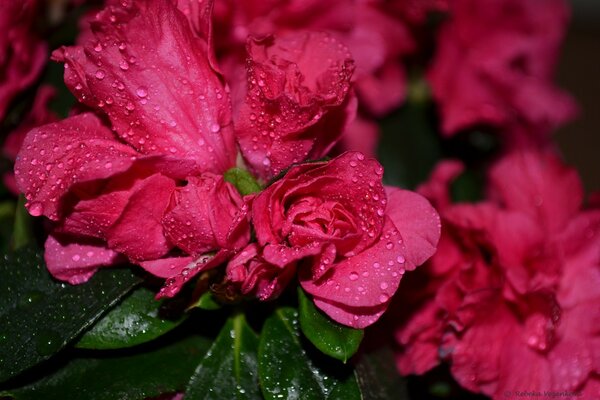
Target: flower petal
539	184
206	211
151	76
56	156
76	262
418	223
166	267
368	279
356	317
293	82
138	233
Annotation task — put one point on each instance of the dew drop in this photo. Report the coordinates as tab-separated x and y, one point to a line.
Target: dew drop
353	276
36	209
142	92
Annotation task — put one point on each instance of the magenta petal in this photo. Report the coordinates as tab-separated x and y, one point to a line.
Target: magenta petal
138	233
418	223
166	267
76	262
56	156
206	211
293	82
539	184
151	75
203	263
22	54
369	279
356	317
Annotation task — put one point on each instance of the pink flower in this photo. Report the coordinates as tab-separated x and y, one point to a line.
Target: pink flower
22	53
159	166
511	297
375	36
494	65
350	238
297	102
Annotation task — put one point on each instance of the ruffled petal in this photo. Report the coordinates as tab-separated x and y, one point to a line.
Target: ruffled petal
540	185
138	233
206	213
149	73
293	82
54	157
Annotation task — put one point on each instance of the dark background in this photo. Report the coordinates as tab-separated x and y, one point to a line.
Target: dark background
579	73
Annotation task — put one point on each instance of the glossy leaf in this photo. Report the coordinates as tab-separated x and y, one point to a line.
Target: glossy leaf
335	340
289	368
229	369
244	182
22	232
378	377
207	302
39	315
409	146
145	374
138	319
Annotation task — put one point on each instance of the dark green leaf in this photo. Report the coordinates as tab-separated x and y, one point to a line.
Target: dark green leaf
468	187
243	180
378	377
288	370
207	302
7	218
335	340
138	319
228	371
39	316
139	376
22	233
409	146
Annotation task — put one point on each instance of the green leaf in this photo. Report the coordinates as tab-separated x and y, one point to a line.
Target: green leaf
7	218
207	302
138	319
243	181
39	316
22	233
144	374
468	187
288	370
378	377
335	340
228	371
409	146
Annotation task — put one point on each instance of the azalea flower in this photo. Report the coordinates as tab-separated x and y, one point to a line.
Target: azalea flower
511	297
494	65
141	176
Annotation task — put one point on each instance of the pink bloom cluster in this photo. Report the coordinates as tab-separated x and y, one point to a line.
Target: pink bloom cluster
140	175
378	34
494	65
22	52
511	298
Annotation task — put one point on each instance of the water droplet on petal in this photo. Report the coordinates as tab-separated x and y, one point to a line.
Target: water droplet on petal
353	276
36	209
142	91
